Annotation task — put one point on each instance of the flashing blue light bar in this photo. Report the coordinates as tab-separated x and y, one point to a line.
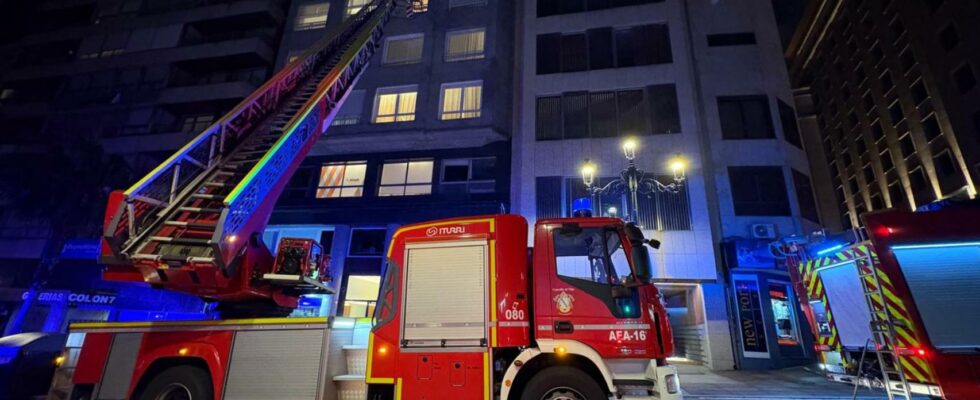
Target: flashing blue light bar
582	206
830	250
934	245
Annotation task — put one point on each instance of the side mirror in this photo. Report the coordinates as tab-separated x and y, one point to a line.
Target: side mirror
654	243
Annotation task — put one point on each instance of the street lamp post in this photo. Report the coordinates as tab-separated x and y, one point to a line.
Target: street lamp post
632	180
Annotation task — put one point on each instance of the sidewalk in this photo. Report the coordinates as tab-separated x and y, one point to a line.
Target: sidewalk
698	382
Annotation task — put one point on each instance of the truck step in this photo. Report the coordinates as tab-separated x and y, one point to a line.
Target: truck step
200	210
208	196
173	240
217	184
192	225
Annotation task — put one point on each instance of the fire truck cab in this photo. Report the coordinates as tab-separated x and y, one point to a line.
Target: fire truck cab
466	311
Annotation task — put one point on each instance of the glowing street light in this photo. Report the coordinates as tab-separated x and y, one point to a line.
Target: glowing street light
633	180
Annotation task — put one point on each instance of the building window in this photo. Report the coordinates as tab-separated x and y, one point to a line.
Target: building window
367	243
759	191
745	117
576	115
602	48
406	178
964	78
312	16
461	100
342	179
556	7
361	295
731	39
469	175
395	104
663	211
791	131
464	3
403	49
919	92
355	6
804	195
547	196
944	164
196	123
917	180
350	112
949	37
907	146
465	45
930	128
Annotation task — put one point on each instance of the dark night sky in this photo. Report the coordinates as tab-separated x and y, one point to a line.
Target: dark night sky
788	14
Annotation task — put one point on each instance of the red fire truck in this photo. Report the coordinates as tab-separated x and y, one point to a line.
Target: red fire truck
466	311
898	309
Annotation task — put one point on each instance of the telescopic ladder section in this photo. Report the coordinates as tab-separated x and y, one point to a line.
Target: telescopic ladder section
200	208
883	332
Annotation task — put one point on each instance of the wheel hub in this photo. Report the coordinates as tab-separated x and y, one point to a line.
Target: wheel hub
175	391
563	393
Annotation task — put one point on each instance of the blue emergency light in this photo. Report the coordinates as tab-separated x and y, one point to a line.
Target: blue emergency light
582	207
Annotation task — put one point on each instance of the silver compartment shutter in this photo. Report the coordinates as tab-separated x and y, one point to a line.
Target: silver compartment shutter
275	365
943	281
445	296
846	297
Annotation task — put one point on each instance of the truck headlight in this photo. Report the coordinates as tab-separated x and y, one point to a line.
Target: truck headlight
672	383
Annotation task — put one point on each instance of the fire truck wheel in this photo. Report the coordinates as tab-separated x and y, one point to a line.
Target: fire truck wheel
563	383
183	382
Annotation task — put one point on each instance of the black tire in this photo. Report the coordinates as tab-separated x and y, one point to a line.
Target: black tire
559	382
183	382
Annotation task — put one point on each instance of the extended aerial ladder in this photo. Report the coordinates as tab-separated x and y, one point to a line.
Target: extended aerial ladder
193	224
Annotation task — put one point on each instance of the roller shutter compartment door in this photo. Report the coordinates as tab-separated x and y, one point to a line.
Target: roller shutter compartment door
445	294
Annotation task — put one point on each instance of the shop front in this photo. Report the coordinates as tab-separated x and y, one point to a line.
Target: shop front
770	329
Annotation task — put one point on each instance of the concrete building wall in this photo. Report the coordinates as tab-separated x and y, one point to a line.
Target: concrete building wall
701	74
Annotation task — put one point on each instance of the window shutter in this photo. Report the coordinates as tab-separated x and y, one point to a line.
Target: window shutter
574	56
549	54
602	114
547	193
632	113
664	113
600	48
575	112
548	121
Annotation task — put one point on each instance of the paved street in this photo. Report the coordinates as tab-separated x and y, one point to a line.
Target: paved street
791	383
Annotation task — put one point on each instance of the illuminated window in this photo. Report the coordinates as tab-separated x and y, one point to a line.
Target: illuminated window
344	179
395	104
355	6
787	333
403	49
420	6
312	16
362	293
461	100
406	178
465	45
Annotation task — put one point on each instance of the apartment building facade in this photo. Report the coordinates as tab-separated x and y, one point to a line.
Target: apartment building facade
703	79
424	135
93	94
888	94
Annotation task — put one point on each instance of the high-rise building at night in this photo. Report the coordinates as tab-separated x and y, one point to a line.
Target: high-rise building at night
118	86
425	135
888	99
703	79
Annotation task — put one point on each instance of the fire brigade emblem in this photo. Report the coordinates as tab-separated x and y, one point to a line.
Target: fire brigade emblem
564	302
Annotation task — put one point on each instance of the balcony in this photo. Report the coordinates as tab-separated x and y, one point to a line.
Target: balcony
208	92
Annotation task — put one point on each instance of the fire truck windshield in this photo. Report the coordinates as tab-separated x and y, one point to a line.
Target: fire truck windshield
593	254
